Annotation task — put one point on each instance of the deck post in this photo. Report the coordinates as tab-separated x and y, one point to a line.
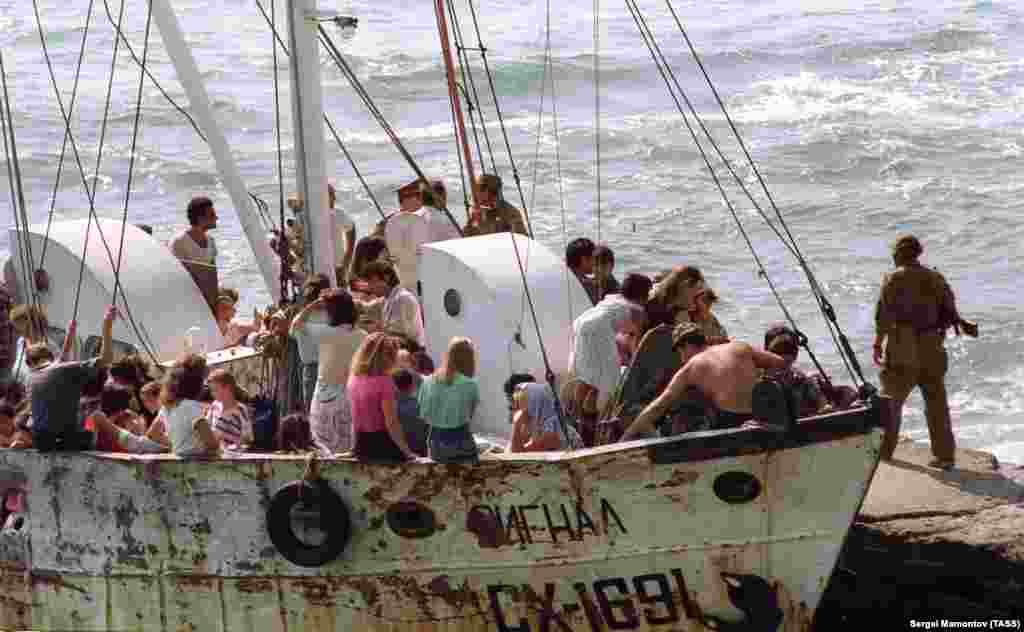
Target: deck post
310	155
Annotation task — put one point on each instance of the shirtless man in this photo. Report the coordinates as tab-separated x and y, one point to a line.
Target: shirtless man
725	374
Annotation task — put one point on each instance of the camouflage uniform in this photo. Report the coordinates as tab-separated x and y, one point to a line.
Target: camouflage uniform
915	308
502	218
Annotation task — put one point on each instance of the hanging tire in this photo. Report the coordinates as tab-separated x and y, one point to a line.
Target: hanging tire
308	498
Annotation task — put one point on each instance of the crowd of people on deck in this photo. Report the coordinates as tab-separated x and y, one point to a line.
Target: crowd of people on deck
368	386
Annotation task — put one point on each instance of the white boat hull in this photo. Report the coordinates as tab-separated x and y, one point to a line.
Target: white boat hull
629	537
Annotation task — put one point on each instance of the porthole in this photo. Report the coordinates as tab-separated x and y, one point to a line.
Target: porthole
453	303
737	487
411	520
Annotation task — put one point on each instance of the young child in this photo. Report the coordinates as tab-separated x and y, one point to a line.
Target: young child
149	395
293	435
229	417
409	411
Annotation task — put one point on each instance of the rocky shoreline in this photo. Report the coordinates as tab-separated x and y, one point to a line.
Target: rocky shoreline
931	545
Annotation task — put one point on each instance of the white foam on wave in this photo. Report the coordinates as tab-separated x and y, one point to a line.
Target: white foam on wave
810	97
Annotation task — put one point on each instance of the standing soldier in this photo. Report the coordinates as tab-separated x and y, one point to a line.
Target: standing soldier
915	308
495	214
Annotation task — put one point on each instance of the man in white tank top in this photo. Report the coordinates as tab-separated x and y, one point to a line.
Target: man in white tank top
195	245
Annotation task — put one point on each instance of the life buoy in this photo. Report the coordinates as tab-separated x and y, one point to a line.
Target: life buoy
334	521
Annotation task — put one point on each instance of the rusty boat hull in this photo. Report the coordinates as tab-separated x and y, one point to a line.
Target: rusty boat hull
730	526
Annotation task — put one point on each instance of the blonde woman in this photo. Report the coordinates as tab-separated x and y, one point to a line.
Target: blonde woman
448	400
373	399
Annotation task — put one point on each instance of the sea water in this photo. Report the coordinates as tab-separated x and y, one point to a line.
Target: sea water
865	119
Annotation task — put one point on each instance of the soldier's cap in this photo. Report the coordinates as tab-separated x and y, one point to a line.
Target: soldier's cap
907	244
488	182
684	332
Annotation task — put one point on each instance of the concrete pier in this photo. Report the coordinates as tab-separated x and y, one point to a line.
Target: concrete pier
932	544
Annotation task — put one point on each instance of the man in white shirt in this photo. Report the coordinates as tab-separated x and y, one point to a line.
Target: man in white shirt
401	313
195	245
435	200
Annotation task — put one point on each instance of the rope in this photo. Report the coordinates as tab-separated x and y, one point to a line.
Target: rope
64	144
156	83
131	160
659	59
549	374
90	193
261	206
347	71
463	167
558	172
327	120
467	79
283	250
824	305
17	192
597	109
96	169
501	118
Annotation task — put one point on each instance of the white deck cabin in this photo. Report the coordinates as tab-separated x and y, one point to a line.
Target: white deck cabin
164	300
472	287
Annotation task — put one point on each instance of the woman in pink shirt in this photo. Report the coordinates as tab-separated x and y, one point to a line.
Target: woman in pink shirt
372	396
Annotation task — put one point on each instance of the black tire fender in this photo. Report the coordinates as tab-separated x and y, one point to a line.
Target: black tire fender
334	517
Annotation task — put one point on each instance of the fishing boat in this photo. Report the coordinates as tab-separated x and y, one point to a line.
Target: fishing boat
734	529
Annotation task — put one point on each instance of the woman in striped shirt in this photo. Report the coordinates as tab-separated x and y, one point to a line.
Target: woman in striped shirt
230	418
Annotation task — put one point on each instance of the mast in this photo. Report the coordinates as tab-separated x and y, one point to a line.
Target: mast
191	81
308	121
453	94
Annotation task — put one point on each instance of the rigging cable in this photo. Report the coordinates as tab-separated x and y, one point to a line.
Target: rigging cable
96	169
463	167
64	144
282	239
134	145
823	303
349	74
327	120
467	79
597	109
655	49
261	205
156	83
90	192
17	191
501	118
647	35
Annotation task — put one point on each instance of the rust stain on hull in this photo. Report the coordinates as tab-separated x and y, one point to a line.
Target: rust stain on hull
527	545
